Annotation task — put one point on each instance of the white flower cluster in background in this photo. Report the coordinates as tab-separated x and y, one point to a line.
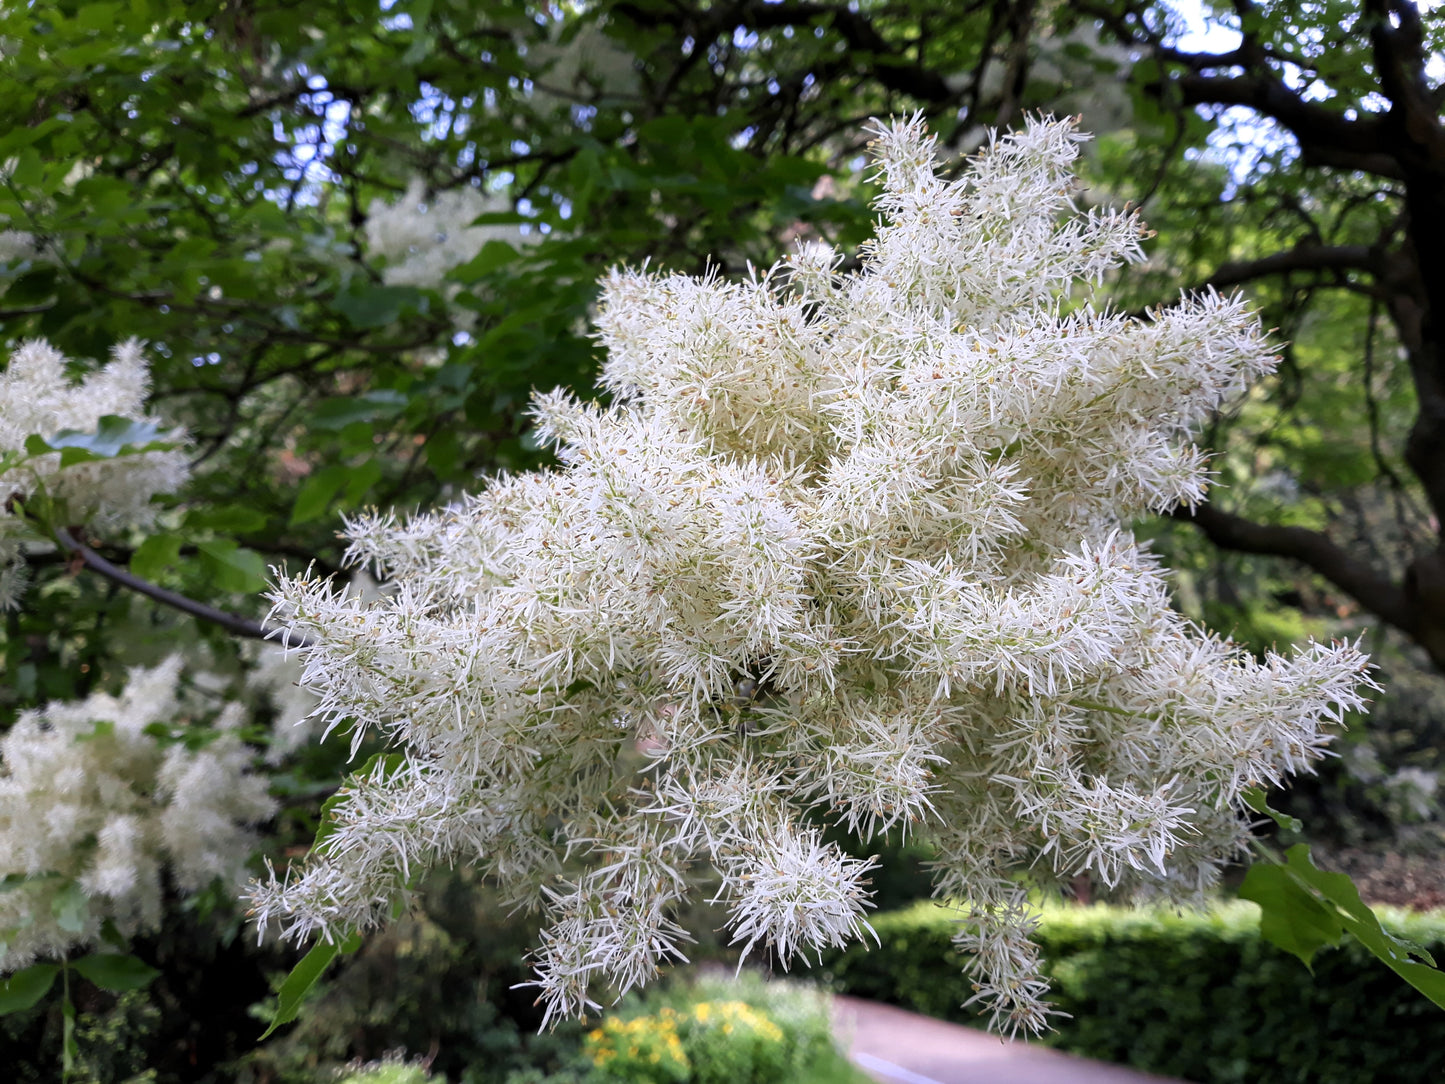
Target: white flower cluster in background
38	398
854	545
274	678
17	246
1407	795
589	66
1413	792
421	238
93	807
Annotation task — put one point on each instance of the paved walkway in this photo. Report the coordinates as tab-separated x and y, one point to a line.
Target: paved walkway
899	1047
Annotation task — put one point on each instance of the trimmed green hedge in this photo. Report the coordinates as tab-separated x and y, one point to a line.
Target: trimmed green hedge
1197	996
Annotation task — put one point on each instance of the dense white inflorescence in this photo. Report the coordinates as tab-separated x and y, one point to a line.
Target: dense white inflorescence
273	685
38	398
854	544
422	238
273	680
94	806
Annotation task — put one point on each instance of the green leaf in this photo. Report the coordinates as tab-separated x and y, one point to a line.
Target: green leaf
27	169
24	136
114	972
1304	908
1290	917
361	480
442	450
110	934
317	493
102	728
494	255
377	306
153	557
24	988
11	881
161	732
336	414
327	826
32	288
304	976
1361	922
97	16
1254	798
71	908
233	567
228	519
113	436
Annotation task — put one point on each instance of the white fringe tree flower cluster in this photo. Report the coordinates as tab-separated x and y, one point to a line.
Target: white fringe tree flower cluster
852	544
94	805
17	246
105	492
422	238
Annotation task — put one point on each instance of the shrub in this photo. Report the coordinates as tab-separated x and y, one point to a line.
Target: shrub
441	978
390	1070
644	1050
798	1011
730	1043
1197	996
721	1031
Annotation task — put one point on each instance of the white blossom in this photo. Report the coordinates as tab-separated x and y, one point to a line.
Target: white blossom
852	544
589	65
421	238
274	678
19	245
1413	792
95	804
37	398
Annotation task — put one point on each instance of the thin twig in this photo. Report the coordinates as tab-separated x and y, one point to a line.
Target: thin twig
240	626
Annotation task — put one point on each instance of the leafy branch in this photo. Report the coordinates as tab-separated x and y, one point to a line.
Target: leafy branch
1304	908
233	623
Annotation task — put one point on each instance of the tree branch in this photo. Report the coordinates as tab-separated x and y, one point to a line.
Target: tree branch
1371	590
1303	257
1317	128
891	69
232	623
27	310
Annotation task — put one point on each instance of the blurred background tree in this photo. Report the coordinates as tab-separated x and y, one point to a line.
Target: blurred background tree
247	185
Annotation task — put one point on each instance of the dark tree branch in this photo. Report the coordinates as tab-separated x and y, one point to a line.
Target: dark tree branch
1379	165
1246	76
891	68
894	73
1374	592
1303	257
26	310
232	623
1318	129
